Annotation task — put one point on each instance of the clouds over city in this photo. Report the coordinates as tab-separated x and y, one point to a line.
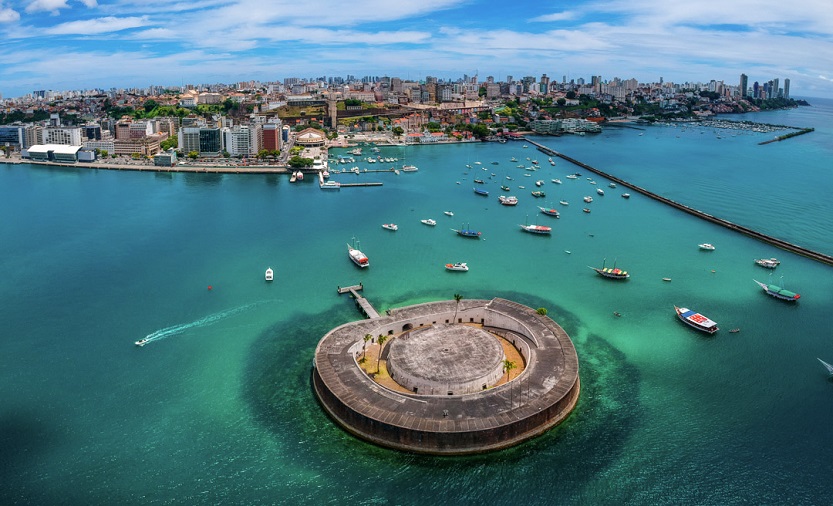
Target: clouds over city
252	39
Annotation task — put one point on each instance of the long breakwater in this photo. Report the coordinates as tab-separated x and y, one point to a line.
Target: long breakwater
779	243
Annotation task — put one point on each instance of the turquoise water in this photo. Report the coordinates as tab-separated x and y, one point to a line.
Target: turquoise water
218	408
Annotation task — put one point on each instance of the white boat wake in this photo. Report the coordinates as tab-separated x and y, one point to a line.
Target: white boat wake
202	322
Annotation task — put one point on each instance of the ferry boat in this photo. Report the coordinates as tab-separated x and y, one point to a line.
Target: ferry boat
142	342
478	191
357	256
428	222
600	192
706	246
611	272
330	185
460	266
550	211
538	194
696	320
588	199
536	229
390	226
270	274
769	263
467	232
508	201
778	292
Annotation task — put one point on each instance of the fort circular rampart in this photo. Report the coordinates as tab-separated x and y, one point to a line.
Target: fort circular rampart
451	369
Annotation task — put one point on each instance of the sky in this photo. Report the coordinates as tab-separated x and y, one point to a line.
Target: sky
82	44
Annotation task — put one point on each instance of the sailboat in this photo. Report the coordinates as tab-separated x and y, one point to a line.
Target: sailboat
778	291
612	273
826	366
536	229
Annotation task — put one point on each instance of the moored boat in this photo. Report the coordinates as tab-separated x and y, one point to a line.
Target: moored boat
270	274
696	320
588	199
409	168
538	194
467	232
600	191
508	201
586	210
357	256
778	292
706	246
612	185
556	181
390	226
626	195
459	266
611	272
550	211
563	202
330	185
536	229
448	213
478	191
428	222
769	263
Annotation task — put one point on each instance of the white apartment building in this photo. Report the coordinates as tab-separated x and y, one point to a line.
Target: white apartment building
242	140
69	136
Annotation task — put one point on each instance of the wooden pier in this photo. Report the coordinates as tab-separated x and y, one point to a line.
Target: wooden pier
363	304
779	243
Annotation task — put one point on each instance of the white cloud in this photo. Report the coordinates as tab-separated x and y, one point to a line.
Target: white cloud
8	15
556	16
90	3
52	6
96	26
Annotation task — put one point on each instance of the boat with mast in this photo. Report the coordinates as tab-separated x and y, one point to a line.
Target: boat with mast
467	232
778	292
536	229
356	256
611	272
550	211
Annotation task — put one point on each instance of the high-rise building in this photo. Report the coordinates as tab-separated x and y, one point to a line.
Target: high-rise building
787	87
271	136
744	85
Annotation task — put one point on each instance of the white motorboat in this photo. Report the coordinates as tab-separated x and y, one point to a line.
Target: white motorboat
600	191
270	274
390	226
706	246
142	342
448	213
459	266
429	222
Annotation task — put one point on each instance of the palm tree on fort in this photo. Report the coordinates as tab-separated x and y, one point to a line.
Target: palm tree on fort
381	339
457	298
508	365
367	337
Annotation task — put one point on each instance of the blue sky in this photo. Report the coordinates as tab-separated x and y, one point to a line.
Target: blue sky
79	44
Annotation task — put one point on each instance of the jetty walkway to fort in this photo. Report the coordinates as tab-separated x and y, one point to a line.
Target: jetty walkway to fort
447	361
794	248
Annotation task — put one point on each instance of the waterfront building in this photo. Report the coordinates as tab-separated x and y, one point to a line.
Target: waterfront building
242	140
310	137
189	139
271	136
211	141
67	136
13	136
61	153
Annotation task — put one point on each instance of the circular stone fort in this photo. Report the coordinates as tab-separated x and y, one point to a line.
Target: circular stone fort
449	391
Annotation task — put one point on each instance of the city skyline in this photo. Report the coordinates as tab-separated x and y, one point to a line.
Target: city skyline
82	44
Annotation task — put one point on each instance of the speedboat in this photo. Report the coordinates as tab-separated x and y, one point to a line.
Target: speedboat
357	256
390	226
270	274
429	222
142	342
696	320
556	181
626	195
706	246
459	266
588	199
508	201
448	213
600	191
769	263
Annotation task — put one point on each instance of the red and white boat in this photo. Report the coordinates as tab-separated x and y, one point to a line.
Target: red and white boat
696	320
357	256
459	266
536	229
508	201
